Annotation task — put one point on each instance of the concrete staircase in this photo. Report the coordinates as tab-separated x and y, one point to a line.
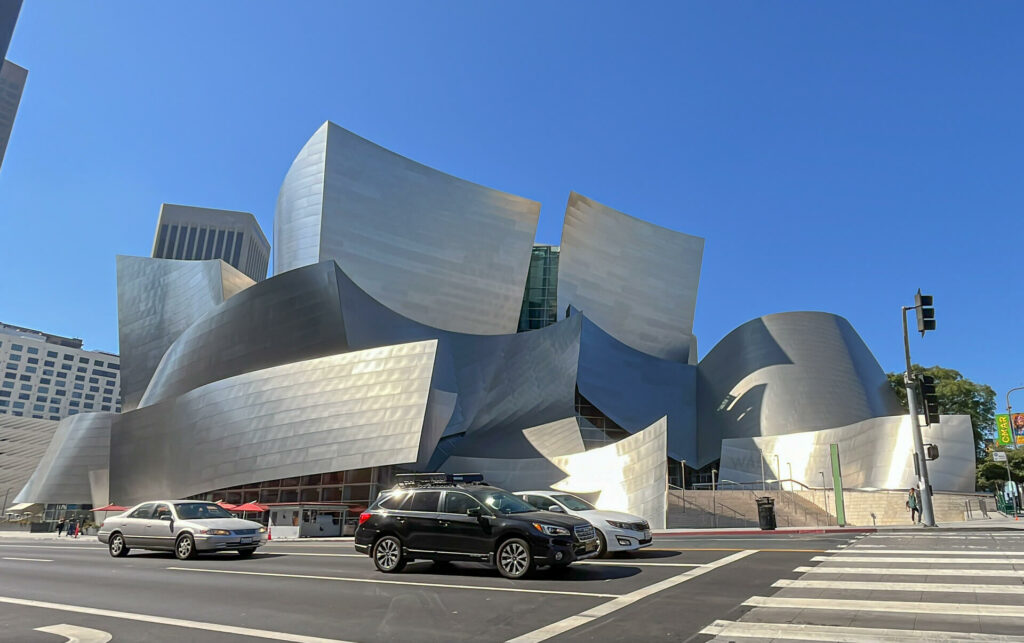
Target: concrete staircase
706	509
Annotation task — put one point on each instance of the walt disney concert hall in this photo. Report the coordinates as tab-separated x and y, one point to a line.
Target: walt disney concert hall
412	324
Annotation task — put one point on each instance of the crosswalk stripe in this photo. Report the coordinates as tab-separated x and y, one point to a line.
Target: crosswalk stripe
910	607
883	586
985	551
911	571
910	559
840	634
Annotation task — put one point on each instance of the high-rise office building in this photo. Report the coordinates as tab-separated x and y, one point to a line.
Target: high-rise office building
49	377
12	77
540	297
190	233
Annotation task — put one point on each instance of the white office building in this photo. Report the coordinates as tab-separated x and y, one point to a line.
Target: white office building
49	377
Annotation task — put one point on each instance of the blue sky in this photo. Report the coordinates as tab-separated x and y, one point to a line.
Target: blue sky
835	156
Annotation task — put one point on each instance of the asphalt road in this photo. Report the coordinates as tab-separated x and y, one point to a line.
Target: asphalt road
326	591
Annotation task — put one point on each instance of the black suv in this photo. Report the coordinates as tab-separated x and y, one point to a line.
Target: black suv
444	517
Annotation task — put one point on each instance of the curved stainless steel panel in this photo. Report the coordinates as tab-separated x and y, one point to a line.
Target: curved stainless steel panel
335	413
635	389
636	280
561	437
432	247
874	454
630	475
81	444
788	373
24	442
157	300
292	317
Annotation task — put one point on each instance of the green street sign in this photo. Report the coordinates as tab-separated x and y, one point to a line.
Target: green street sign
1003	433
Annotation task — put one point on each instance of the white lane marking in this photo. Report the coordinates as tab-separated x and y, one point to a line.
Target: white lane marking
65	547
985	551
918	534
910	559
882	586
625	600
797	632
33	560
910	607
76	634
395	582
628	564
174	622
910	571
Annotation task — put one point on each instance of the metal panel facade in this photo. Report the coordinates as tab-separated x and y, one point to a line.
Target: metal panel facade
435	248
636	280
81	444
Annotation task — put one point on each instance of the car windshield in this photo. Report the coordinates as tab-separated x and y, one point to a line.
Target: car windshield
574	503
506	503
201	511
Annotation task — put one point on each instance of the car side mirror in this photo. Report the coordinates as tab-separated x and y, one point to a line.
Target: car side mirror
556	508
166	517
473	512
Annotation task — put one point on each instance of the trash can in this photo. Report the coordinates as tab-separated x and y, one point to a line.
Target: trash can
766	513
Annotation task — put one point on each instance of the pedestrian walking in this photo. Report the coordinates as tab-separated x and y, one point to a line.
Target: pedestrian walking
914	505
78	528
71	528
60	527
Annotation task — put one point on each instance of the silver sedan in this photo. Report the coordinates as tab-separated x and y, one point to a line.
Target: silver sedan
186	527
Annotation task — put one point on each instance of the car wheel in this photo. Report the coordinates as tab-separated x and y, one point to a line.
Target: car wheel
387	555
185	547
514	558
116	546
247	553
602	546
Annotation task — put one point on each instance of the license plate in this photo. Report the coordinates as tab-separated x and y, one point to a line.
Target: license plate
245	540
647	534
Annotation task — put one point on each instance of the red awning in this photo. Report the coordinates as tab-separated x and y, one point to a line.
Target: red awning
111	508
250	506
225	505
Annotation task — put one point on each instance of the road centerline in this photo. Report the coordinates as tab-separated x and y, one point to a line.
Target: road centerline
34	560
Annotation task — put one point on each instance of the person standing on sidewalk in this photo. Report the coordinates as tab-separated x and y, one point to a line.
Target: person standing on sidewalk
914	505
60	527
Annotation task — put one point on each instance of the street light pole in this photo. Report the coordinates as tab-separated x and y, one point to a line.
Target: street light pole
761	453
778	472
714	501
927	514
1013	438
824	490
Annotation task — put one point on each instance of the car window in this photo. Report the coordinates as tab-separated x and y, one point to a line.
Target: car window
162	512
539	502
506	503
202	511
458	503
574	503
394	501
425	501
144	511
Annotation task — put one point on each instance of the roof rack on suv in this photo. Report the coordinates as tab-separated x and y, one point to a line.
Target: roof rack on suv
438	479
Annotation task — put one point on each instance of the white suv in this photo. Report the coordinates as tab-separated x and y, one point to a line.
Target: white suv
616	531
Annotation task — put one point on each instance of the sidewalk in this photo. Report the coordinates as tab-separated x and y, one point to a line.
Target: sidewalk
996	522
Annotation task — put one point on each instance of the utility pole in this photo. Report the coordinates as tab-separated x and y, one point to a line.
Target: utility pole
1013	438
925	321
778	472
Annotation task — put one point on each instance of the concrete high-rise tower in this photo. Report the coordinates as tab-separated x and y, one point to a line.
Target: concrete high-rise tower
186	232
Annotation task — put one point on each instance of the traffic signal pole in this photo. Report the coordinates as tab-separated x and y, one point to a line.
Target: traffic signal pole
927	513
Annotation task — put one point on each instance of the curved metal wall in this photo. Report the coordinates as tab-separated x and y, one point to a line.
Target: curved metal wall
874	454
80	445
157	300
347	411
23	441
788	373
636	280
432	247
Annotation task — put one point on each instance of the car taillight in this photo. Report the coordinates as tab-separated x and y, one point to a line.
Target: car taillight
363	517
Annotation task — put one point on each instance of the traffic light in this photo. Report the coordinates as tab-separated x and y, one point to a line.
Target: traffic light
931	452
929	400
925	312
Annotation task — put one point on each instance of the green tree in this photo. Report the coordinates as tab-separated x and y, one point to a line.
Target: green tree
992	475
958	396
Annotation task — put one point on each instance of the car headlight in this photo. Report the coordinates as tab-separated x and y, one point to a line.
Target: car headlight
620	525
262	530
551	530
217	532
